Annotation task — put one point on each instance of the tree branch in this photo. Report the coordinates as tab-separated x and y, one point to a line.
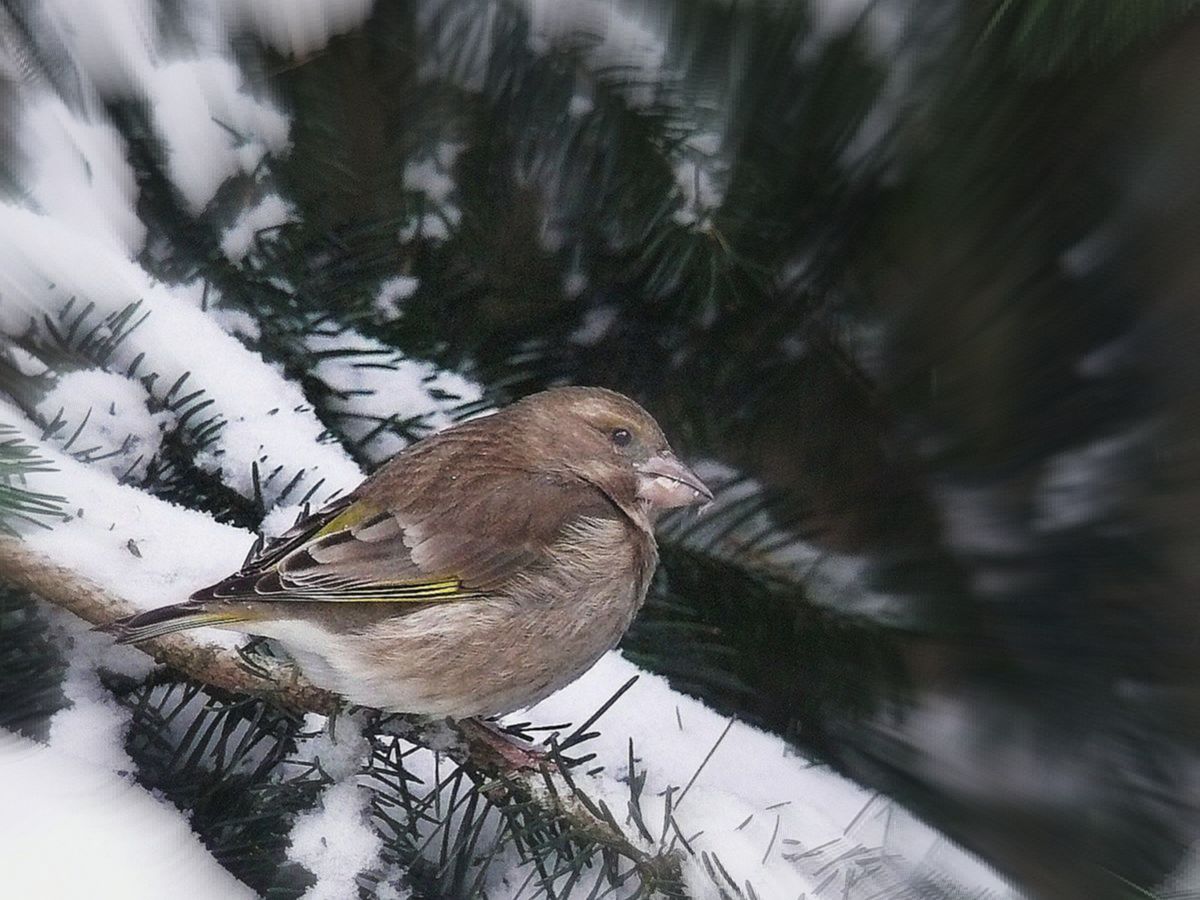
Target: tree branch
221	668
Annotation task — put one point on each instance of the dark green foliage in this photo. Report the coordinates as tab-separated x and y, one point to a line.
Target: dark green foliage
31	667
18	459
220	759
754	647
1040	37
877	318
446	834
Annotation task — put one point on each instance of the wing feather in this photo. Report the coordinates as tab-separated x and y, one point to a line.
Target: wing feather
428	534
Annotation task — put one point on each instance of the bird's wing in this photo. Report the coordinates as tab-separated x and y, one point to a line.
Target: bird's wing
441	541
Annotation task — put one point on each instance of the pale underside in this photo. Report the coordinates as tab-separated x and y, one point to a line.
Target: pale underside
485	655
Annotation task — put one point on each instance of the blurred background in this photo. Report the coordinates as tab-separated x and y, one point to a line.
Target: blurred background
914	280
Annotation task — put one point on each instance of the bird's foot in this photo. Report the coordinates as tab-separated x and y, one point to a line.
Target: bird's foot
513	753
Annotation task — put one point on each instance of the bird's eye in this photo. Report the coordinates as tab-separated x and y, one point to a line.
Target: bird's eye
621	437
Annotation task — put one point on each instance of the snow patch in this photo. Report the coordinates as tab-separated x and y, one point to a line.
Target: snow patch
270	212
597	322
614	37
106	419
335	842
211	130
1087	484
84	832
700	177
77	173
762	819
391	294
374	385
112	45
209	127
46	266
140	547
298	27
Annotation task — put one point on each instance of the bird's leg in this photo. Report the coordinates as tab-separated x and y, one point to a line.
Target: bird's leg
514	753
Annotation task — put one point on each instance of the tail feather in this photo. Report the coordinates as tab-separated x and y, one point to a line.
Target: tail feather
168	620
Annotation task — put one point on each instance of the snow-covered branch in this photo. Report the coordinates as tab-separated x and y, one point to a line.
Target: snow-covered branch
223	668
215	666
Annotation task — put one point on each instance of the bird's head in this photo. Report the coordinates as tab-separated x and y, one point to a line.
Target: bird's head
606	439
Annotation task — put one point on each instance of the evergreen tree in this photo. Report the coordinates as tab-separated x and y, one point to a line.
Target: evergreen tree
887	275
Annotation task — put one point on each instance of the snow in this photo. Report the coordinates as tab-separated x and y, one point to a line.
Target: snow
268	213
335	842
432	177
299	27
45	265
574	283
209	127
145	549
93	726
206	297
741	520
580	105
617	37
597	322
78	173
700	175
391	294
84	832
1086	484
104	415
23	361
373	384
750	773
884	22
832	17
111	45
431	227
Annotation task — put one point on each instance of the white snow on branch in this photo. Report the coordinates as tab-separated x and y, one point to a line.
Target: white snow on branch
298	27
77	173
142	548
373	386
210	128
432	174
335	842
626	38
391	294
105	418
770	816
113	45
46	268
255	224
701	174
84	832
433	177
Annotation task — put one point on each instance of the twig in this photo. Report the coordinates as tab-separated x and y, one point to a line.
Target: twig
223	668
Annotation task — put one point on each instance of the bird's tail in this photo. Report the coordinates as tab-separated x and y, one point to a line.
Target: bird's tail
169	619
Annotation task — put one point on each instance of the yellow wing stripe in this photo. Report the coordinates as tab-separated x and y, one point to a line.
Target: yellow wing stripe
430	589
405	593
348	518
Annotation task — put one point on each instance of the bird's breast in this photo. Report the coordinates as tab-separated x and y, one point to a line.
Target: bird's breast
511	648
599	568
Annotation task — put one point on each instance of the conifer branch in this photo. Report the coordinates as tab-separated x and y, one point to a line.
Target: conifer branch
224	669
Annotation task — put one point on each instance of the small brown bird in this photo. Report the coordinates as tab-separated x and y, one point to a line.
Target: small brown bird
474	573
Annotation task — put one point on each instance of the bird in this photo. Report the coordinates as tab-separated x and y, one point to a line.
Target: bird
474	573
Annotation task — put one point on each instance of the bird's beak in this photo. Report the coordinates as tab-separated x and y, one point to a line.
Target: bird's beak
664	483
